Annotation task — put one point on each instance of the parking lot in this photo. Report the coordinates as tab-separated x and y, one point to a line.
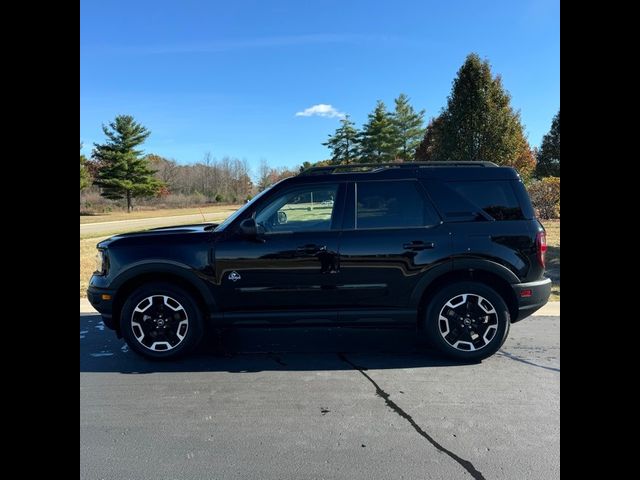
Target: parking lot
321	404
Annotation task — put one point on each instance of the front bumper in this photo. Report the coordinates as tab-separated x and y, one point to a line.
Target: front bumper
104	307
540	292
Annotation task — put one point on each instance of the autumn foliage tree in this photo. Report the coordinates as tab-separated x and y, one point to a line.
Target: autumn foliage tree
85	177
426	150
545	197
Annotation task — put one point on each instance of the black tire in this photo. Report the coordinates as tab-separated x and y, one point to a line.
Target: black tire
164	308
478	326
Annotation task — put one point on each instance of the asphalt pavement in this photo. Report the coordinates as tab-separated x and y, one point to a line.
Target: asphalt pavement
321	404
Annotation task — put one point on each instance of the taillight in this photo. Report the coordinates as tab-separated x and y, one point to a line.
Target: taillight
541	245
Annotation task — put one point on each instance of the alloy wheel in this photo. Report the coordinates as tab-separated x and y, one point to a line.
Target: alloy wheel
468	322
159	323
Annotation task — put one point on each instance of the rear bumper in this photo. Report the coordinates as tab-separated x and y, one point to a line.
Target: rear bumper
104	307
540	292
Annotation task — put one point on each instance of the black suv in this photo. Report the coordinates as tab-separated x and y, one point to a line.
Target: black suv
451	249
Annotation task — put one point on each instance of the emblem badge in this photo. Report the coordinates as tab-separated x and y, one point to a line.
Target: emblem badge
234	276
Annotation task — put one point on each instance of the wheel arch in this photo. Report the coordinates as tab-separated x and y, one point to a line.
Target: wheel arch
501	283
175	274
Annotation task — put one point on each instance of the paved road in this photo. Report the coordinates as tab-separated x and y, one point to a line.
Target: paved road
320	403
143	223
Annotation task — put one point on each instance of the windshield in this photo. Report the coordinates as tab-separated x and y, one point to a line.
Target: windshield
240	211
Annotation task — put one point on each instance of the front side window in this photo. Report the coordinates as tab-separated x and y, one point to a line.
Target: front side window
302	209
392	204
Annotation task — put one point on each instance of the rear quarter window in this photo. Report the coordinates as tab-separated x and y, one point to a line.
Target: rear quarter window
461	200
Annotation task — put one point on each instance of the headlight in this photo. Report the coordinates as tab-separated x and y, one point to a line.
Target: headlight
100	262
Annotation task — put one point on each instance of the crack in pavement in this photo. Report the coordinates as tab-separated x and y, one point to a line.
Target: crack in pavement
466	464
518	359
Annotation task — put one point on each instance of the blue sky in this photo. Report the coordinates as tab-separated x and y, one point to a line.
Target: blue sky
228	77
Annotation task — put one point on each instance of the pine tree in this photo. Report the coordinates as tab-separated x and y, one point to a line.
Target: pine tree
408	128
122	170
478	122
378	139
344	143
549	155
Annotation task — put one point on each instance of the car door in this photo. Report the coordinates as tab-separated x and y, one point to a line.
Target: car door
291	265
392	236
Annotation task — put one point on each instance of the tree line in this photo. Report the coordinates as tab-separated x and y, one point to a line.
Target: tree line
385	137
477	123
120	172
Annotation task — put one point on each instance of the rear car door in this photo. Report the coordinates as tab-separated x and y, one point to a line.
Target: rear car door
391	237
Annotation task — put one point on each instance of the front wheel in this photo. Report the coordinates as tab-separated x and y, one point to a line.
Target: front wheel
467	321
161	320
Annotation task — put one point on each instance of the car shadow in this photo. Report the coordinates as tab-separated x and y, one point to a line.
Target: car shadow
245	350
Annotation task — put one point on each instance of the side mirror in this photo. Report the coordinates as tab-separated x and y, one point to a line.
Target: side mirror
249	228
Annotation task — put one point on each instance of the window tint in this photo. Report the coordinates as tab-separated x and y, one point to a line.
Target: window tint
392	204
302	209
497	198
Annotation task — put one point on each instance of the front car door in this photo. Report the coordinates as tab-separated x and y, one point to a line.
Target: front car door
288	272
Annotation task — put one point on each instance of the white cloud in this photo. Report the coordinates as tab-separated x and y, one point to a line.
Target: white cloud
320	110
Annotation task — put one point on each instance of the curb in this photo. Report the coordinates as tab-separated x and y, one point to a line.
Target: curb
551	309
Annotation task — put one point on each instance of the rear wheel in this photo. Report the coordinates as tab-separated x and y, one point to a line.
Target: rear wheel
161	320
467	321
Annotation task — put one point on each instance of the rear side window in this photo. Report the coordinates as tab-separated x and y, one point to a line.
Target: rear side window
392	204
462	200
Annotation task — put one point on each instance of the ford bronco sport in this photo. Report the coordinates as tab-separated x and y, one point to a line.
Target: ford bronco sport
452	249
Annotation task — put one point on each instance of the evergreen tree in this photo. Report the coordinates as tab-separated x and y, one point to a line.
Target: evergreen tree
408	128
85	177
478	122
378	139
343	143
122	170
549	155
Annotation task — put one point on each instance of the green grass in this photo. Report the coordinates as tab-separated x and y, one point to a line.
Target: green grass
305	211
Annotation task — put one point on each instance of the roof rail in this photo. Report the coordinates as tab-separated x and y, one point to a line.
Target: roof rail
377	167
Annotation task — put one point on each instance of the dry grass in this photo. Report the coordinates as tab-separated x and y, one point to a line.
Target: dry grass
553	256
87	261
115	216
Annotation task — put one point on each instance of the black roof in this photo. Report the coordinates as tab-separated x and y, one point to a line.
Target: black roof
442	170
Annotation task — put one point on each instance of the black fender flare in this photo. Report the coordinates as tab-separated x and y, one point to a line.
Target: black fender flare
486	265
459	265
183	271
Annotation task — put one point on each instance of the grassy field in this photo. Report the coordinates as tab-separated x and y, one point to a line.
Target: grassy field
88	250
553	256
115	216
87	261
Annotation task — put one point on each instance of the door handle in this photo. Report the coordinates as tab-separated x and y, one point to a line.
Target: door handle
311	249
418	245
